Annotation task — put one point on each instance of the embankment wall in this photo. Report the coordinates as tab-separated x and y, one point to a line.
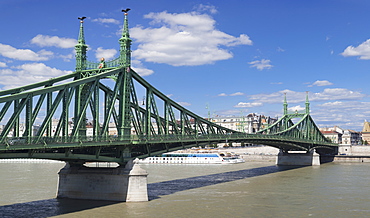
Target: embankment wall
347	153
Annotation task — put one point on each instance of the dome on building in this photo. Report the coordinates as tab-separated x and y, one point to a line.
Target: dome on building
366	127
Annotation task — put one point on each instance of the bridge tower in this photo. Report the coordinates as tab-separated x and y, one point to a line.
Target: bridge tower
80	92
285	105
294	158
127	183
124	127
307	104
81	48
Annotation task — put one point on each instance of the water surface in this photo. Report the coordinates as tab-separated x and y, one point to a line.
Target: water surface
249	189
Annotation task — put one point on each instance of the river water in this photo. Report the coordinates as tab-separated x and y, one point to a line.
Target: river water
249	189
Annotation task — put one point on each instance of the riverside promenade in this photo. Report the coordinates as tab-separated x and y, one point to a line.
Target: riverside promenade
347	153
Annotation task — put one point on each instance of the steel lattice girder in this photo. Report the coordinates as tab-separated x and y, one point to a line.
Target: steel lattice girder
305	130
155	129
57	99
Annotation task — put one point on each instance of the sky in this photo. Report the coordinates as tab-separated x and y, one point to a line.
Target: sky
224	58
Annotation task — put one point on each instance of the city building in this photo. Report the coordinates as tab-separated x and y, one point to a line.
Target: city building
342	136
247	124
333	136
366	133
351	137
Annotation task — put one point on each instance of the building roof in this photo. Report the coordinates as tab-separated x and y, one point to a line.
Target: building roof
330	132
352	131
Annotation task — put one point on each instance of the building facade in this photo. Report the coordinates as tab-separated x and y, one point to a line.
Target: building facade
247	124
342	136
333	136
366	133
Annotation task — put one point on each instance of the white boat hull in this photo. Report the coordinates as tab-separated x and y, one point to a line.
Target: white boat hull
189	160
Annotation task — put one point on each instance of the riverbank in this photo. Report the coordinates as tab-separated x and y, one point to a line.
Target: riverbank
254	153
347	153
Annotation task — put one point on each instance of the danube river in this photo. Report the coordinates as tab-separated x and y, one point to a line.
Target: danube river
249	189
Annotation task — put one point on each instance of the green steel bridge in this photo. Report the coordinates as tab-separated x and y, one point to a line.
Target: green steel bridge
48	119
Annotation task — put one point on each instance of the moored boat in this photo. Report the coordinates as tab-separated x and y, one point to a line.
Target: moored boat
192	158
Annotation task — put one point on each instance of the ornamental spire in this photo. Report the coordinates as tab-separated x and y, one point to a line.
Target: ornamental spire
81	48
125	42
307	104
81	36
285	105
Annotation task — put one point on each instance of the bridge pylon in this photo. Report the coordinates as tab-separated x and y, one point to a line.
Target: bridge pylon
127	183
302	141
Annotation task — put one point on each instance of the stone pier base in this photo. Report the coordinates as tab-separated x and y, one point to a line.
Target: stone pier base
112	184
298	159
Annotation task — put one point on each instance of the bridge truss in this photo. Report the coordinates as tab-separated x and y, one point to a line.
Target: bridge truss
48	119
106	96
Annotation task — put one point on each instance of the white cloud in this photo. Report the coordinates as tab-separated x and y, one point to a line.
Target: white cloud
184	104
261	65
53	41
2	64
231	112
248	104
280	49
295	97
106	20
337	94
297	108
140	68
363	50
183	39
45	53
105	53
349	114
67	57
212	9
321	83
233	94
24	54
41	69
27	74
237	94
348	106
278	97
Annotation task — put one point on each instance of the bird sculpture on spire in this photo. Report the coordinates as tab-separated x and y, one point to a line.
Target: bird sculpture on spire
82	19
126	10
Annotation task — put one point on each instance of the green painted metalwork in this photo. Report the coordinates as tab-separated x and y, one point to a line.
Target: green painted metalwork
307	104
105	96
81	48
305	129
285	105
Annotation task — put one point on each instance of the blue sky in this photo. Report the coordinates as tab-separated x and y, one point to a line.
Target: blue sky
235	56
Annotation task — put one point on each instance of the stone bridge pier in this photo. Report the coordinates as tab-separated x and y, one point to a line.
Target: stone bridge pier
127	183
310	158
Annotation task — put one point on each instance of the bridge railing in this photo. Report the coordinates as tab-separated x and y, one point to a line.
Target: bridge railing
17	141
95	65
21	143
9	141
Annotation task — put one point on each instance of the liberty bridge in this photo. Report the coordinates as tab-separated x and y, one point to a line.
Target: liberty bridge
159	123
